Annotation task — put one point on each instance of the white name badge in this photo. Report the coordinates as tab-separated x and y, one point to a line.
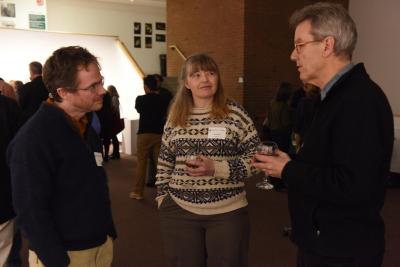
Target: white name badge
99	158
216	133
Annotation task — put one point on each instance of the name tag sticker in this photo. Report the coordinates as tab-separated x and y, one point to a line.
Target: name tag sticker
216	133
99	158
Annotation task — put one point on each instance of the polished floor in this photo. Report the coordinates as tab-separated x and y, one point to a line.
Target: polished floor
139	241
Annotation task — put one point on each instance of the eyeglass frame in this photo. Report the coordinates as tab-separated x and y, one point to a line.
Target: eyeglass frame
93	88
297	46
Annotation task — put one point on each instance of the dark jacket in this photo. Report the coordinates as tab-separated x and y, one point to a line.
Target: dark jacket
60	194
31	95
336	185
109	119
10	120
152	108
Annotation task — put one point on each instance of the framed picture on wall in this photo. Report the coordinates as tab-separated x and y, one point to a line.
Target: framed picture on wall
148	29
160	26
137	28
37	21
8	10
160	37
149	42
137	42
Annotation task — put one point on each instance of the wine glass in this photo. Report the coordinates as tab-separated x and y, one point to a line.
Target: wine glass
266	148
190	161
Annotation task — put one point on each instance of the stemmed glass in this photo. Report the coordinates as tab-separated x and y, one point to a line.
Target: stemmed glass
190	160
266	148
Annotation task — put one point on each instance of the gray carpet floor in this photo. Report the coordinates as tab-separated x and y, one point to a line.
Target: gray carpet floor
139	242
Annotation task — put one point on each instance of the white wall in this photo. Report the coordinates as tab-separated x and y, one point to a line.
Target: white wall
22	10
116	68
110	19
378	24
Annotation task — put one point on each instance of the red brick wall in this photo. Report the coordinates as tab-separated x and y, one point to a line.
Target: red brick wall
212	26
248	38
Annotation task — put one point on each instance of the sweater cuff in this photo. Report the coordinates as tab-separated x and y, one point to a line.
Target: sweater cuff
221	169
290	172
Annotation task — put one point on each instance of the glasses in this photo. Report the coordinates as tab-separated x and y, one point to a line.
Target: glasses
93	88
298	46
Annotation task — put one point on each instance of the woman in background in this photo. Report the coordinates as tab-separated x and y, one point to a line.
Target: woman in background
202	200
110	122
117	120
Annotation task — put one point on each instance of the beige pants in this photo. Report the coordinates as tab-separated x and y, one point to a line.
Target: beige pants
100	256
148	145
6	240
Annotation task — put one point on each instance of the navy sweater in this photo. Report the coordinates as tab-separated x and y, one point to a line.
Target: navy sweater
60	194
10	119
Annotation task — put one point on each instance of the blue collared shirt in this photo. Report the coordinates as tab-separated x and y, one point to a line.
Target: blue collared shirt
335	78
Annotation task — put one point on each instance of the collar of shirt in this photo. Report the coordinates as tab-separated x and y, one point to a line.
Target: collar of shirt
80	124
335	78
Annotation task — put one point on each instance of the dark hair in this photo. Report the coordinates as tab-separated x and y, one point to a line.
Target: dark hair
151	82
35	67
112	90
284	92
62	67
158	77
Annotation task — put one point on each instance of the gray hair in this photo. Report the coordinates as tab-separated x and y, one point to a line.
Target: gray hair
329	19
35	67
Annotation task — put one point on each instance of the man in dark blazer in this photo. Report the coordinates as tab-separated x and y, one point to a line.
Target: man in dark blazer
10	120
33	93
336	184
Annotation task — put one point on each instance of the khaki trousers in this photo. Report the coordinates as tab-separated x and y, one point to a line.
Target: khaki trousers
148	145
6	240
100	256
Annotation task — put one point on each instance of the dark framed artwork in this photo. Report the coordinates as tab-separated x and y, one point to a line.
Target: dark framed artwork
137	42
160	37
148	29
149	42
160	26
8	10
137	28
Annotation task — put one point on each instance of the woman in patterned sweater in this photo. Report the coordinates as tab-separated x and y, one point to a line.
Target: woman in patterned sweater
203	208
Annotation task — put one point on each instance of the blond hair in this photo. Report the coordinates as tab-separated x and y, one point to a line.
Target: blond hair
182	104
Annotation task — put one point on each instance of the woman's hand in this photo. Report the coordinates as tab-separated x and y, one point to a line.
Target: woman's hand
202	166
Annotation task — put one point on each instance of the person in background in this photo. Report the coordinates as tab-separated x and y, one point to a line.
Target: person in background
117	120
59	186
162	90
202	199
336	184
7	90
16	85
279	121
33	93
304	113
10	121
152	108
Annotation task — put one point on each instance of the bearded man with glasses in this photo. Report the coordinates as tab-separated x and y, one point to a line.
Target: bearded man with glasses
60	190
336	184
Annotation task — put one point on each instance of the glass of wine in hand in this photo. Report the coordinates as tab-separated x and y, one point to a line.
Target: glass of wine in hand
266	148
191	161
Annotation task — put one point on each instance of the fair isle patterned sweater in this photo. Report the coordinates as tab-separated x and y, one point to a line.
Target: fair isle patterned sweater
231	150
